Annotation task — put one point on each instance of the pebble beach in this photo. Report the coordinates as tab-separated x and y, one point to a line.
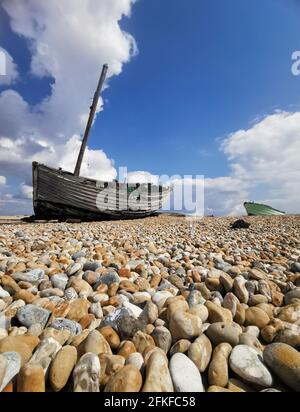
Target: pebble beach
162	304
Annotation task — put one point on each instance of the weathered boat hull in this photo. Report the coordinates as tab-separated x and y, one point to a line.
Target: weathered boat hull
60	194
257	209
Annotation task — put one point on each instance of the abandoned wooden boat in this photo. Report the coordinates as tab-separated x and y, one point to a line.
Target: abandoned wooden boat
58	194
257	209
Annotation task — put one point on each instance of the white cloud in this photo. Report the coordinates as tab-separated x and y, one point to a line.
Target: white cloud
141	177
26	191
2	180
69	42
9	67
264	163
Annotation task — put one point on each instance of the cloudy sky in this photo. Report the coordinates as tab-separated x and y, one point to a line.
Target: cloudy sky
197	87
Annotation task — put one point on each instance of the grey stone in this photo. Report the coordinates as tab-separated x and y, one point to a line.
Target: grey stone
70	294
33	276
93	266
30	314
73	268
220	332
292	294
110	277
62	323
295	267
10	364
59	281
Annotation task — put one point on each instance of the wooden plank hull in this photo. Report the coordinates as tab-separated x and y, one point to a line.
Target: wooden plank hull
59	194
257	209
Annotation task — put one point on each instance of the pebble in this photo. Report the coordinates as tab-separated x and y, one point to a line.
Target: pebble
162	338
62	367
31	378
10	364
13	344
200	352
127	379
218	368
71	325
220	332
30	314
185	375
284	361
247	363
184	325
86	374
158	378
257	317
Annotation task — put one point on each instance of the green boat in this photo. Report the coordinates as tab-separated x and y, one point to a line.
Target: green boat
257	209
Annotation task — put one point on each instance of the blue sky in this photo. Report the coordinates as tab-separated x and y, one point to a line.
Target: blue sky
205	69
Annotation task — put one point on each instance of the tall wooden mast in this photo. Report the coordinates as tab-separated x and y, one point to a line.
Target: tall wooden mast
90	120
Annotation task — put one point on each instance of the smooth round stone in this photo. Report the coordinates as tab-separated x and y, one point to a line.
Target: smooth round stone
91	277
3	293
10	364
45	352
252	330
94	343
295	267
181	346
79	254
93	266
158	378
185	374
159	298
289	336
200	352
184	325
33	276
31	378
247	363
96	309
240	289
149	313
127	379
122	320
217	313
62	366
30	314
257	317
13	344
201	311
73	268
292	294
77	309
162	338
284	361
59	281
136	359
49	292
70	294
62	323
111	336
110	277
135	310
218	368
220	332
110	364
86	374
